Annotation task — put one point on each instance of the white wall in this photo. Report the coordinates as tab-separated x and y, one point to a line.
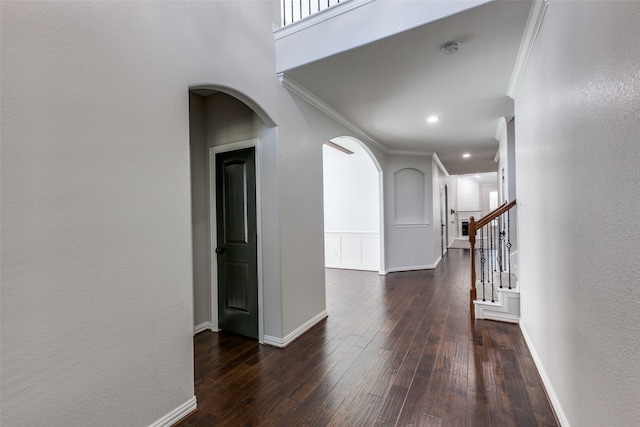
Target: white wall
97	265
578	160
468	195
351	195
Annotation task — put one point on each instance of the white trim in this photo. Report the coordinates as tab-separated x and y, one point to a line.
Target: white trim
354	233
435	264
440	165
318	17
381	219
344	266
534	22
507	309
407	152
410	268
297	89
283	342
252	143
177	414
202	327
553	397
500	129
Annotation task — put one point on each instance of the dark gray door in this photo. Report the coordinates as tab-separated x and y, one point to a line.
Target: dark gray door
236	250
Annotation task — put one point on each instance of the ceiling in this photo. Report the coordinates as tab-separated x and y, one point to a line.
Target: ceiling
389	87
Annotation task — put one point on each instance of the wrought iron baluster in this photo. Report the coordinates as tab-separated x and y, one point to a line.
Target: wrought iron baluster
482	263
493	260
501	245
509	246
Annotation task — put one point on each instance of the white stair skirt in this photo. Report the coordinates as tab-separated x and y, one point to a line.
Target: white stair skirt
505	309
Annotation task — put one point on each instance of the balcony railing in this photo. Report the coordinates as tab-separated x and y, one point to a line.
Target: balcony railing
295	10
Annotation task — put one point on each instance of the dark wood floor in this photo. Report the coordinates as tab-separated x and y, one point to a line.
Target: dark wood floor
398	350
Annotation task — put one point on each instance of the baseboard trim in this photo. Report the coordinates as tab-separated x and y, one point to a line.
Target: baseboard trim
202	327
359	267
177	414
435	265
553	398
410	268
283	342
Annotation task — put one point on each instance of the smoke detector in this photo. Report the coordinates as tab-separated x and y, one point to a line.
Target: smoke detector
450	48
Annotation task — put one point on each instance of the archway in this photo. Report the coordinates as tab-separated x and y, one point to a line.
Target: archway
353	200
223	120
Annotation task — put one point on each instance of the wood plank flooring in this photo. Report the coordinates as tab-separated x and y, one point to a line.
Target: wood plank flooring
396	350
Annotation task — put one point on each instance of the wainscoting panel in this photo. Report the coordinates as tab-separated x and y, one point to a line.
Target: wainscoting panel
353	251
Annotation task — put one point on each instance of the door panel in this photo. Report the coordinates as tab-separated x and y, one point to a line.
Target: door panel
236	250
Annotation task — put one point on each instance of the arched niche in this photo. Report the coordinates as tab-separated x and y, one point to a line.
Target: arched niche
410	207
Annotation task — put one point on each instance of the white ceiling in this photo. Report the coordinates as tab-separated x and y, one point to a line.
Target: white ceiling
389	87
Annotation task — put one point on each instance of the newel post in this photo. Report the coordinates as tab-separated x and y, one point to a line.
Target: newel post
472	244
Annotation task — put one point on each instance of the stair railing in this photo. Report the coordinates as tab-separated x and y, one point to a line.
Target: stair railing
494	251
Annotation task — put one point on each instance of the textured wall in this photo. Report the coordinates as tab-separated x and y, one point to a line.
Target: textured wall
578	157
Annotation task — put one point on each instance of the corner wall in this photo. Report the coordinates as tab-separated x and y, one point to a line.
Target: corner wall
578	158
408	227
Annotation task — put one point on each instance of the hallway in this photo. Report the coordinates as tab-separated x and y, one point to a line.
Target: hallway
395	350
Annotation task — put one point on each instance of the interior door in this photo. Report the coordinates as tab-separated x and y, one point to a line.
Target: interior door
236	250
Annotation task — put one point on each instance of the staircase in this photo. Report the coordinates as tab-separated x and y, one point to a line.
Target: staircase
505	304
494	291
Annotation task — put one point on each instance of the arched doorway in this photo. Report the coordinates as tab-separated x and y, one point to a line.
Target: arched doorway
222	122
353	214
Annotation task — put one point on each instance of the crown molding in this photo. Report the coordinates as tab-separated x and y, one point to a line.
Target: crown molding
297	89
318	17
534	22
409	153
440	165
500	128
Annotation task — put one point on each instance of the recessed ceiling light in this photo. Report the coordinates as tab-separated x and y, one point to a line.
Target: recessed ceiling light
466	155
432	119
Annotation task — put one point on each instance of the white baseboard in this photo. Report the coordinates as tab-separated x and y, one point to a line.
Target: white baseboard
202	327
360	267
177	414
283	342
435	265
410	268
555	403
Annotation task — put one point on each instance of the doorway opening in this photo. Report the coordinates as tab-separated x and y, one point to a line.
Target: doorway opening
229	136
353	213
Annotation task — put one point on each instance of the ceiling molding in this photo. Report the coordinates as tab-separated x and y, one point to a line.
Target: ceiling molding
318	17
409	153
534	22
295	88
440	165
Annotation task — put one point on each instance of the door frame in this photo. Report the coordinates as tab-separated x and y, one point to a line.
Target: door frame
213	237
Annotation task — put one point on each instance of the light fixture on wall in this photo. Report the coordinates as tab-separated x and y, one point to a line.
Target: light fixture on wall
433	119
466	155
